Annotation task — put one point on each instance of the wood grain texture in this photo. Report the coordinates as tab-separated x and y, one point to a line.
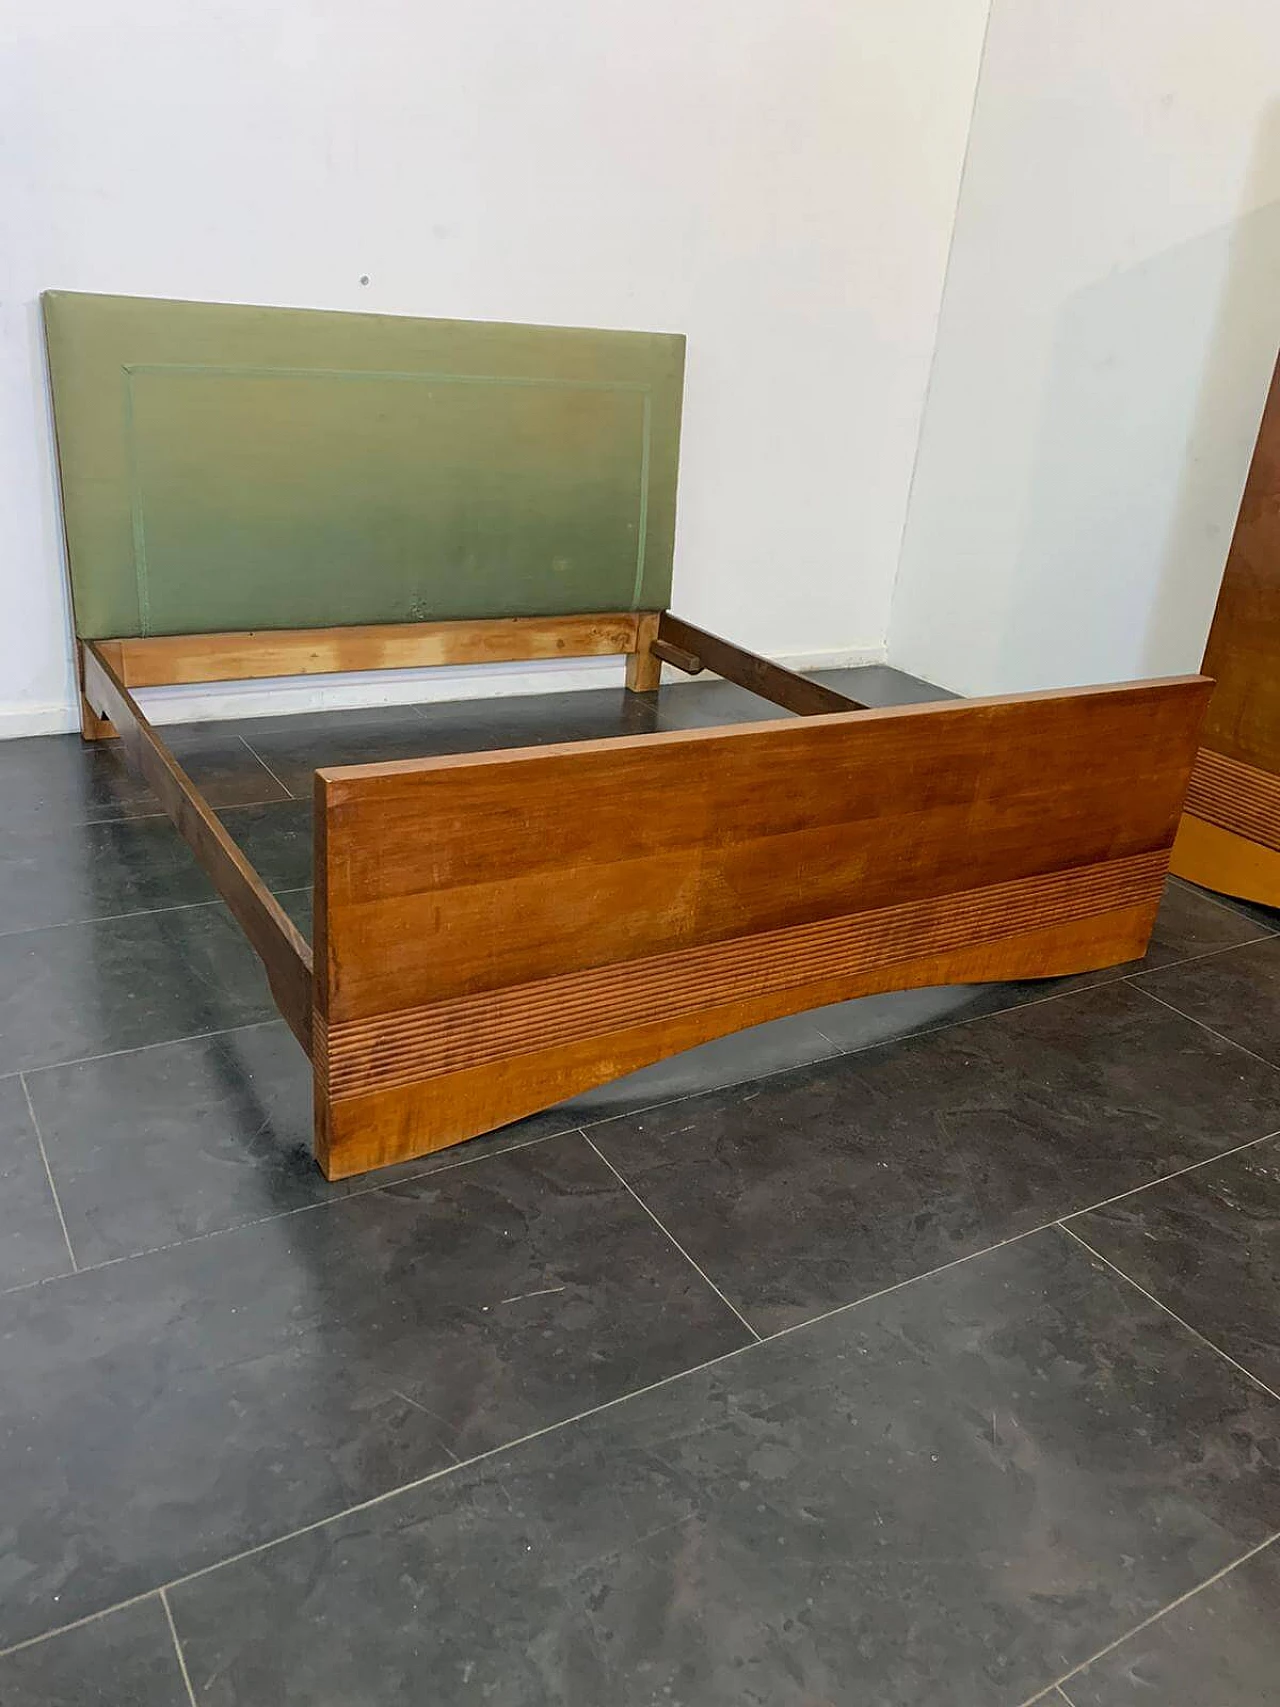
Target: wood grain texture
157	660
1232	832
499	930
375	1129
644	668
444	1037
1243	652
1223	860
758	675
1236	797
271	933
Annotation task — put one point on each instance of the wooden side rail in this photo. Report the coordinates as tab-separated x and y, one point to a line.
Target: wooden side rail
748	670
283	951
478	957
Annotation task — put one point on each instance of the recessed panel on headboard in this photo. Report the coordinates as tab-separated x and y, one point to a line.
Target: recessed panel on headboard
230	468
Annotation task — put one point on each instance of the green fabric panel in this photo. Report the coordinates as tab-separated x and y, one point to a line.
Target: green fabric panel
227	467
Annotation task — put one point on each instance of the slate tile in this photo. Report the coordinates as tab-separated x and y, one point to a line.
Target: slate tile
950	1495
162	1413
1207	1244
1237	993
294	748
276	840
31	1243
814	1188
750	1054
83	989
1221	1648
77	872
154	1146
124	1659
60	780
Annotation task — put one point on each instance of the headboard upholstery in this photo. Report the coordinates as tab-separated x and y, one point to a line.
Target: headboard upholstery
228	468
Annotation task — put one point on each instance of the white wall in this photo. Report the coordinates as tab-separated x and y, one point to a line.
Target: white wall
1109	326
777	178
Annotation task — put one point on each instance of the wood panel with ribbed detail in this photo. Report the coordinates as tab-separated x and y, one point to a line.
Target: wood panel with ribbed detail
448	1037
1236	797
498	931
1229	839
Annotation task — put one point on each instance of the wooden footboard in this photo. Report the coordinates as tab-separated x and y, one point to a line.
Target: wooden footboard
498	931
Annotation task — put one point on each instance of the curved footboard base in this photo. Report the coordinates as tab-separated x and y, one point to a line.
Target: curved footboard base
497	932
1229	838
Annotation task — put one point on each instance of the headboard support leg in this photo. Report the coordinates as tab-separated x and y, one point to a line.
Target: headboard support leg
644	669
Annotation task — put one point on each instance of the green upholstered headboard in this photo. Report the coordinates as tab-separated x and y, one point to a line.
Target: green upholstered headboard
229	467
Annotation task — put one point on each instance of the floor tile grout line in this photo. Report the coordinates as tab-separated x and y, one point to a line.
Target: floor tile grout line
138	1048
177	1647
445	1470
1219	901
143	913
596	1410
542	1138
289	794
1173	1314
1153	1618
287	1214
1111	976
1221	1036
666	1231
1205	954
48	1174
149	817
1163	1179
841	1052
79	1623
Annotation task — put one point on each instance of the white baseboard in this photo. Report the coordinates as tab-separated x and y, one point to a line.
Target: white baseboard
282	698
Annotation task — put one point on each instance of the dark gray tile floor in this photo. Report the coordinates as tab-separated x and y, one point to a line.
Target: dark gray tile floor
922	1350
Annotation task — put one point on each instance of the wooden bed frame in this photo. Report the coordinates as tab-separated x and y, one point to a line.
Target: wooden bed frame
1229	839
497	931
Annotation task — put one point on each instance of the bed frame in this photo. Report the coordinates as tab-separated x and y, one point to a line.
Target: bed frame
1229	839
255	493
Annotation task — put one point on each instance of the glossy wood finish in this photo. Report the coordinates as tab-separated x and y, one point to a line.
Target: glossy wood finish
479	956
1232	833
1232	864
748	670
284	953
163	659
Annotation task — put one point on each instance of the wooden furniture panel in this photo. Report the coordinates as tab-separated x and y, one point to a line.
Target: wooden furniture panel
496	931
159	659
1230	838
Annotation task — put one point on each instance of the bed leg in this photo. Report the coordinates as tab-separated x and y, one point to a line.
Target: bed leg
93	727
644	669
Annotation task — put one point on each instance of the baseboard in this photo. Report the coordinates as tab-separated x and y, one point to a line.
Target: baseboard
282	698
17	720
